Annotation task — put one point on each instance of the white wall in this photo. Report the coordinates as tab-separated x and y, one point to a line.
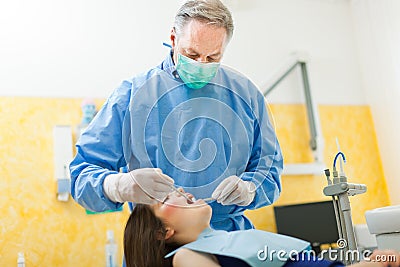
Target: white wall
80	48
73	48
377	24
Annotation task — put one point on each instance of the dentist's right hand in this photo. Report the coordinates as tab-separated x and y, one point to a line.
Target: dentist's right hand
146	186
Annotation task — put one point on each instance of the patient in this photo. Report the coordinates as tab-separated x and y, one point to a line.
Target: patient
153	233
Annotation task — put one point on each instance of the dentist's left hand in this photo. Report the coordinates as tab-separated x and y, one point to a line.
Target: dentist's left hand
234	190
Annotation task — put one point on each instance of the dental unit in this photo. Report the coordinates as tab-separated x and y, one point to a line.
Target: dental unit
340	190
383	222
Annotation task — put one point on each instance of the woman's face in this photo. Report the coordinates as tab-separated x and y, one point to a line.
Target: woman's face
182	216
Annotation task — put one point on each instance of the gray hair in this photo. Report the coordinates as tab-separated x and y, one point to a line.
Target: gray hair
209	11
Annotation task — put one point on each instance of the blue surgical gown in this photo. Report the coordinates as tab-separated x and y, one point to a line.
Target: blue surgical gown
196	136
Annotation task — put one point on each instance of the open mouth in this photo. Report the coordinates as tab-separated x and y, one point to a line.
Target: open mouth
190	199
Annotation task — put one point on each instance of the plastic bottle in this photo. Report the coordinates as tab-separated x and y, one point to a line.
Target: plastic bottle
111	250
88	112
21	259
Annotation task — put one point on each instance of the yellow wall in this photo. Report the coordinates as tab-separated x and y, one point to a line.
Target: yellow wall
49	232
53	233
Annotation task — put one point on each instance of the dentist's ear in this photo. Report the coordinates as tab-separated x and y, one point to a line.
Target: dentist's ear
173	38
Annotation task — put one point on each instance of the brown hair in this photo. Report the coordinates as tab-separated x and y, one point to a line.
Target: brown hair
144	243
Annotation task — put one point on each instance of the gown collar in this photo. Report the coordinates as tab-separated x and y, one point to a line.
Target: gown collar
169	66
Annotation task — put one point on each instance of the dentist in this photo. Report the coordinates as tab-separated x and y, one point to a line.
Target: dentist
189	122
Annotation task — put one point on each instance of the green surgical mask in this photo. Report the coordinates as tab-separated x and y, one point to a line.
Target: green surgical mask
195	74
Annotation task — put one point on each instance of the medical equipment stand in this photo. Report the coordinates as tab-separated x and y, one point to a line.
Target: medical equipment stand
340	190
